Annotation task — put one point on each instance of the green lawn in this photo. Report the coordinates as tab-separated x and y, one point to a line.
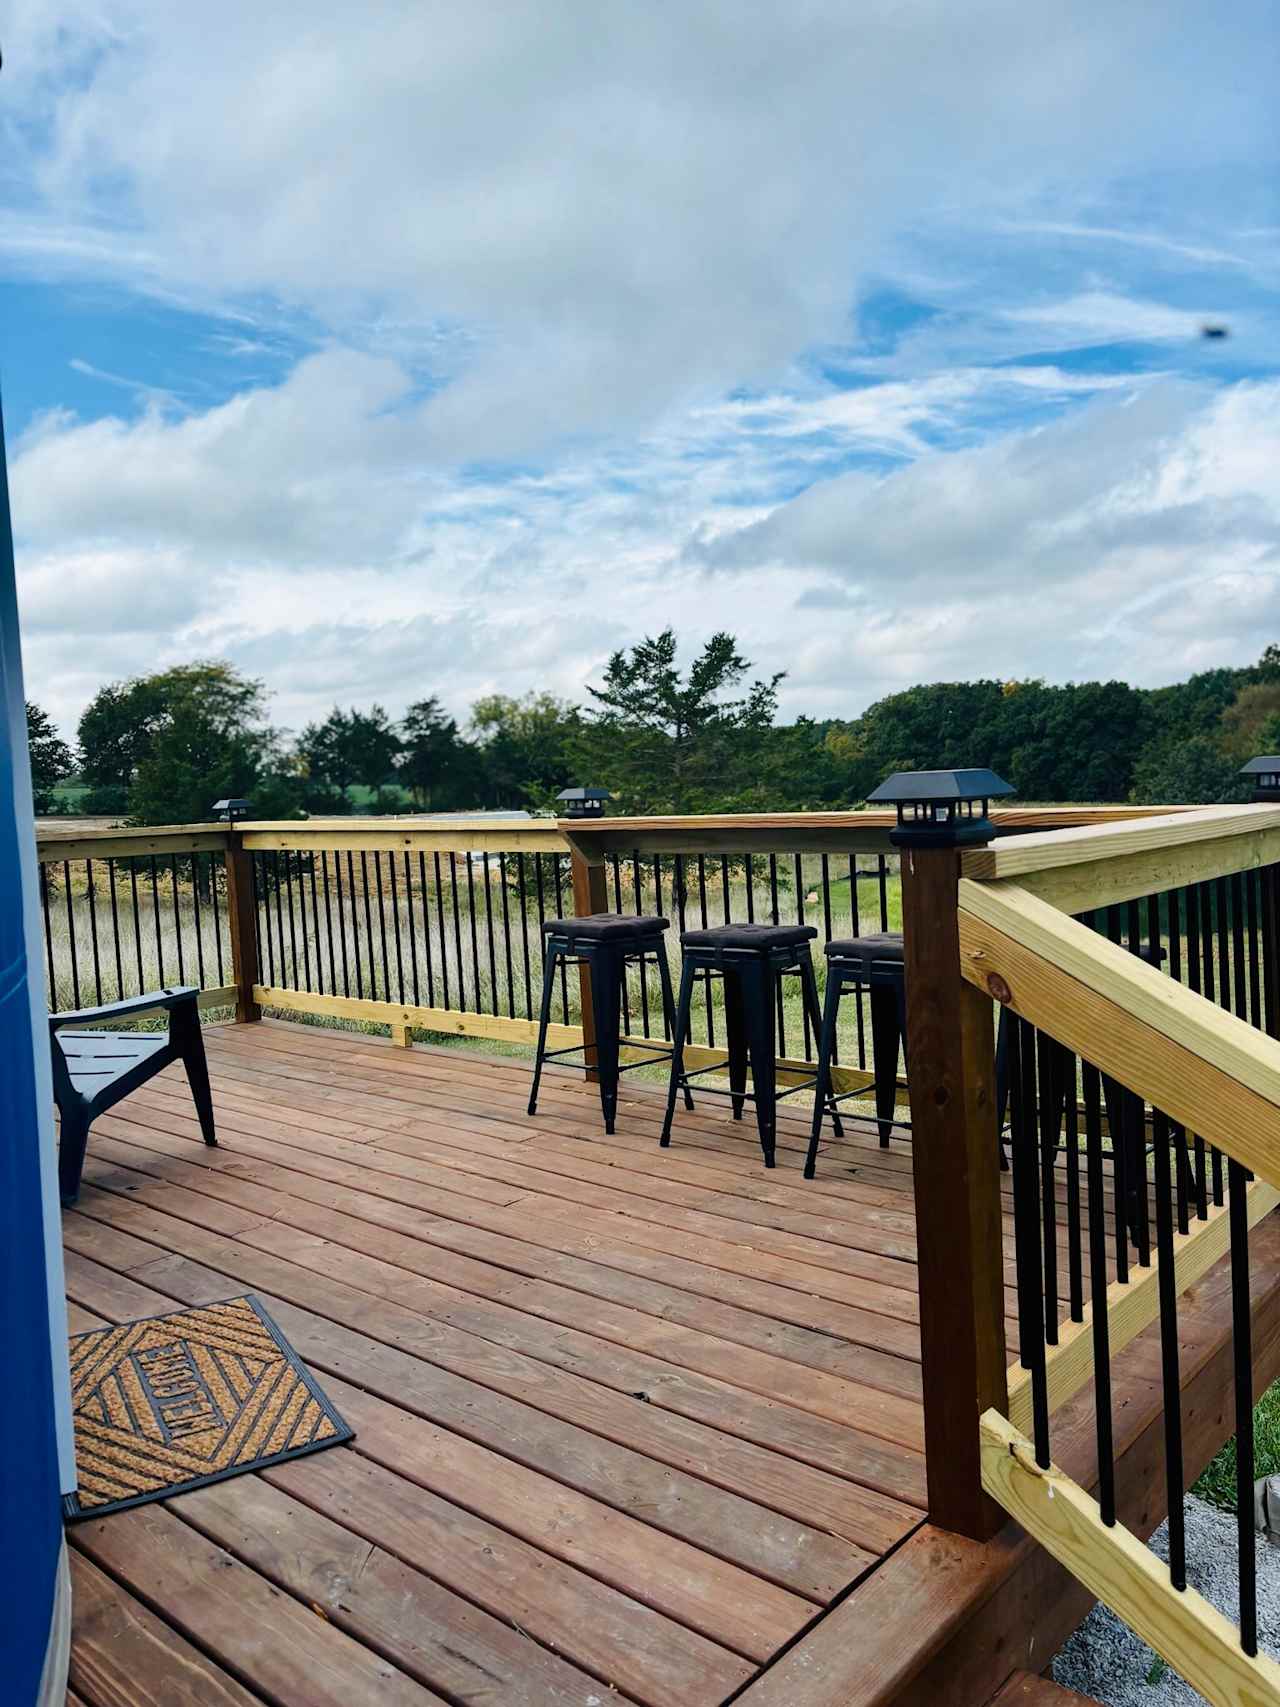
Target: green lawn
1218	1483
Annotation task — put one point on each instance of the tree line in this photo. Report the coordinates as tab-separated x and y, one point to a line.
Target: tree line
160	749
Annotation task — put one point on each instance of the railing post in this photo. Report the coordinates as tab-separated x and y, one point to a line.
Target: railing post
241	916
590	895
951	1076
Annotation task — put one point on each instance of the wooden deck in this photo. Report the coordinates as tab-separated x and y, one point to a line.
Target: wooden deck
629	1422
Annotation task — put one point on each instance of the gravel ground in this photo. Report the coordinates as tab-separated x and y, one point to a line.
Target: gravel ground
1104	1659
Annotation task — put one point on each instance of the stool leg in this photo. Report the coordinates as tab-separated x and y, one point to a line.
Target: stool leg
809	995
549	958
886	1035
677	1047
759	985
830	1009
735	1027
669	1007
605	967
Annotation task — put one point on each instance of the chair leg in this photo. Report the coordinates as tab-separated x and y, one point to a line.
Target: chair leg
826	1043
193	1059
886	1038
735	1028
759	985
669	1007
606	972
73	1136
677	1047
549	958
809	996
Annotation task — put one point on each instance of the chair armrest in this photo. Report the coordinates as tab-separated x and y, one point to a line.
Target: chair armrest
146	1003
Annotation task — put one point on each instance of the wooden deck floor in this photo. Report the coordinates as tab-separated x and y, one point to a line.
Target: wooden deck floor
628	1421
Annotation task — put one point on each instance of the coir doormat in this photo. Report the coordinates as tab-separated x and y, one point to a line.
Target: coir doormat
175	1402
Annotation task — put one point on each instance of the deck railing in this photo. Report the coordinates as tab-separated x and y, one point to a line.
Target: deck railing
1138	968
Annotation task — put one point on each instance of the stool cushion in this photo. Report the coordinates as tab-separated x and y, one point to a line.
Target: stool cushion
606	927
885	946
760	938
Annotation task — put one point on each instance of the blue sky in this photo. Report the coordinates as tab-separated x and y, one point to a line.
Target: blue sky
406	351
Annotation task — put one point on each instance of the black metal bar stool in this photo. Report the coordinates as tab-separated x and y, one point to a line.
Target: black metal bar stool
752	960
606	943
877	964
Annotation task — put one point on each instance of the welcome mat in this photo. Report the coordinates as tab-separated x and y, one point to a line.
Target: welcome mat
176	1402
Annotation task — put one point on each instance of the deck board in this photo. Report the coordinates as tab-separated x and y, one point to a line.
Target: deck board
624	1418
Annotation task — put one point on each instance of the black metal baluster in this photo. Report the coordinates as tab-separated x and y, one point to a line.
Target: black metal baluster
177	918
706	977
428	956
370	955
137	923
304	929
457	928
195	910
255	888
751	889
1242	1359
1026	1227
800	920
560	911
413	931
1166	1280
1252	924
644	964
657	907
48	934
395	921
1098	1293
542	913
1239	964
115	925
262	895
773	917
382	927
855	930
1045	1104
1075	1276
342	923
155	917
328	917
217	915
506	935
315	916
444	935
882	877
355	923
615	861
93	933
488	927
522	883
71	935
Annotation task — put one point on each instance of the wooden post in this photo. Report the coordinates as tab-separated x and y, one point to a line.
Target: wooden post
241	912
955	1159
590	895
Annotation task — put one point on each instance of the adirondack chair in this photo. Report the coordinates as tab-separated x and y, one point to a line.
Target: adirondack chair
93	1070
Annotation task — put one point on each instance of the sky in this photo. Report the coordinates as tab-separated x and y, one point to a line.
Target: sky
408	349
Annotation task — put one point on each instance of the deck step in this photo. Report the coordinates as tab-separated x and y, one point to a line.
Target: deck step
1025	1689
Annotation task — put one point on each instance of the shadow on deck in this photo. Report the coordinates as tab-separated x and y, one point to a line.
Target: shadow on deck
630	1423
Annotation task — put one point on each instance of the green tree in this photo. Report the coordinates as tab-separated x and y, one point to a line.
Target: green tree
527	749
1190	772
664	742
439	768
52	761
348	748
174	742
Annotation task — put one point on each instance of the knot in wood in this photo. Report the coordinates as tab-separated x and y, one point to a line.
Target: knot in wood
998	989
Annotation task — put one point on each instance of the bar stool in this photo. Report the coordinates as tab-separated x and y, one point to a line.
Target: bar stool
751	959
606	944
878	963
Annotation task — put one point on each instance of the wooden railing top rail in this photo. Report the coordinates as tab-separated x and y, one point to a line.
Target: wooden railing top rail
76	843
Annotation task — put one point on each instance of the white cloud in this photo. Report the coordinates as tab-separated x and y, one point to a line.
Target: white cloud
624	205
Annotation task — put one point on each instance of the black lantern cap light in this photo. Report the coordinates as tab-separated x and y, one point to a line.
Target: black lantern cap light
230	810
941	809
1265	771
584	802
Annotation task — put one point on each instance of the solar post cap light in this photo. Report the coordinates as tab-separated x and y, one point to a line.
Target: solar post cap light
1265	771
941	809
584	802
229	810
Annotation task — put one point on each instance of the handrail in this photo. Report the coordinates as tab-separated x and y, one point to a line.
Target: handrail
115	843
1216	1074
